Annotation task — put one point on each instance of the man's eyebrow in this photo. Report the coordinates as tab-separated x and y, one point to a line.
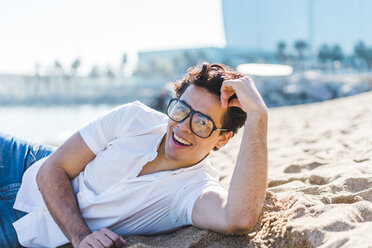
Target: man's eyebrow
185	101
198	111
190	106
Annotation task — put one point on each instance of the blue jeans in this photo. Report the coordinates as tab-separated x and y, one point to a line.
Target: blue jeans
16	156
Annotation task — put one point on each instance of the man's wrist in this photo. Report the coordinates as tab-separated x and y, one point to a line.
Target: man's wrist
76	239
254	117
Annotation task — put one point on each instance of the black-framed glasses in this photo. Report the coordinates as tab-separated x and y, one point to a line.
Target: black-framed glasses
200	124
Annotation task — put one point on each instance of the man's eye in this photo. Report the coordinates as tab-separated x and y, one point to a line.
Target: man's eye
181	109
203	122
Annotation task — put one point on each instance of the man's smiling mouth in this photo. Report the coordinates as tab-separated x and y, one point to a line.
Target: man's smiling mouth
180	141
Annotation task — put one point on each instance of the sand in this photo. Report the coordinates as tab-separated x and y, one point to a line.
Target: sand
320	181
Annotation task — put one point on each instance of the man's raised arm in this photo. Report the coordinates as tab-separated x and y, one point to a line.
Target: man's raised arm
237	212
248	184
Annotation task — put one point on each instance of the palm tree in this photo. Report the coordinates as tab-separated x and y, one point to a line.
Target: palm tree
58	68
75	66
368	58
281	46
301	46
324	53
94	73
109	73
360	51
337	53
124	60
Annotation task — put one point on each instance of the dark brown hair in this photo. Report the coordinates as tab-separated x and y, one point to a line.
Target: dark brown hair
211	77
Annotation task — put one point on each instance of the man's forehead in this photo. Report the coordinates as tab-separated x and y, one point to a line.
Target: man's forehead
203	101
197	97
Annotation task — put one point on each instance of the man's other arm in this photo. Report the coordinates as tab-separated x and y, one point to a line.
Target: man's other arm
237	212
54	183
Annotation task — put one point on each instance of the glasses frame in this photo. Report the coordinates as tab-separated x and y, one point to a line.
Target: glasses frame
191	114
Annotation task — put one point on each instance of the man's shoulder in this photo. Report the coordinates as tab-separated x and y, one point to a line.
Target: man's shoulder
141	108
146	108
138	111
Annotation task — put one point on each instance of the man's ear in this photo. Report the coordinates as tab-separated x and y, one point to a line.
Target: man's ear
224	137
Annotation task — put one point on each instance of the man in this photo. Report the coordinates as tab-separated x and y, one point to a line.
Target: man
135	171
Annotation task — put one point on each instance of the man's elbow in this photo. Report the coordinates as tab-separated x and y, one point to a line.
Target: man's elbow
40	176
242	225
45	174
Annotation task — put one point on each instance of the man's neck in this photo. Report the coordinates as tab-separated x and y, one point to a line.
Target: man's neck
169	164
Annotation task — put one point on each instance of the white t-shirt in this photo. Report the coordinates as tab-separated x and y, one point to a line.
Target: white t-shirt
108	191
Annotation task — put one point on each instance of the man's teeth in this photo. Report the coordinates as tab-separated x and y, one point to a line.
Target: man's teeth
181	140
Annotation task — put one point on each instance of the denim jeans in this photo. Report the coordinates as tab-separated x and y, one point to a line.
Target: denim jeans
16	156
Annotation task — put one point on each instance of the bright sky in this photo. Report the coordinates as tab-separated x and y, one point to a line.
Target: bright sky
99	32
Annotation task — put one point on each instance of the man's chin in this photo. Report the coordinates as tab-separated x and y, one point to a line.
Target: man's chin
177	155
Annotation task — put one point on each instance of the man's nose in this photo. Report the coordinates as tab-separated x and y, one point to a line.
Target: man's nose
185	125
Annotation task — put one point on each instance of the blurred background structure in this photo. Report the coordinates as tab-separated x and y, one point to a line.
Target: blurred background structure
261	25
91	55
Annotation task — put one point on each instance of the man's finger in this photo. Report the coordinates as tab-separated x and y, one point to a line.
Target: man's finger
92	241
104	240
226	92
234	103
118	241
85	244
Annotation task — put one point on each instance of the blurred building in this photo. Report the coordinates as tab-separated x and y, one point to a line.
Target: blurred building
254	28
259	25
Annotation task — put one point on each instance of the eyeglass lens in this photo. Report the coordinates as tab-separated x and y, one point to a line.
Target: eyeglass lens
201	125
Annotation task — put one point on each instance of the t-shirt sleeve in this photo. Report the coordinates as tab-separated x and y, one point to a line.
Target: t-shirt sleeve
124	119
97	134
183	204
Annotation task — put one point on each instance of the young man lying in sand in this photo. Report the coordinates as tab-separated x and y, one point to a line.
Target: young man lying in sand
135	171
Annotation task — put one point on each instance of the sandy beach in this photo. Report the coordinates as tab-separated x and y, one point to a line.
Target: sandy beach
320	181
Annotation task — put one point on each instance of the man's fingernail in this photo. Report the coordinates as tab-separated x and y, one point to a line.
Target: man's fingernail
122	240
